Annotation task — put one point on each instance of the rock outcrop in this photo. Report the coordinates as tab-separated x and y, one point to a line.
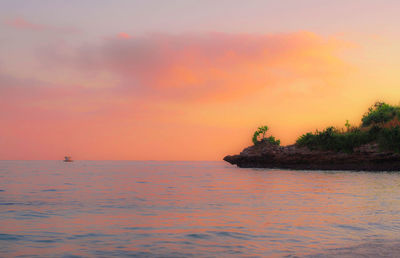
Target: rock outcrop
364	158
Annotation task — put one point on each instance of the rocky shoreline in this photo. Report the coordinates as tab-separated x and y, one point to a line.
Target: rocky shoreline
364	158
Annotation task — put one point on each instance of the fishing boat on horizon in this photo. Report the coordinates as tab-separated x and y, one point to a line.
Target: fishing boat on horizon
67	159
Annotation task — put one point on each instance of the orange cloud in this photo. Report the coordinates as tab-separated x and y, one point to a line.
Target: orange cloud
212	66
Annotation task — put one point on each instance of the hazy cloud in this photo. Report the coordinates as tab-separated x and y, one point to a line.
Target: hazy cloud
23	24
211	66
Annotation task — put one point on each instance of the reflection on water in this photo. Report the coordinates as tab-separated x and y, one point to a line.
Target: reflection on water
180	209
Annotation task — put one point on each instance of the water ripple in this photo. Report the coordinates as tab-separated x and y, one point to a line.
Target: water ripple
199	209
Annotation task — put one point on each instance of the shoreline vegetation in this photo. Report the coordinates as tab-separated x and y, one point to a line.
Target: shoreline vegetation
373	145
379	125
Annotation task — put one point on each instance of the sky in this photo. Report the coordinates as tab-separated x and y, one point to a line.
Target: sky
185	79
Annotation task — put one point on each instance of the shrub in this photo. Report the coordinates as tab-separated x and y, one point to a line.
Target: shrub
389	139
272	140
380	124
380	113
333	139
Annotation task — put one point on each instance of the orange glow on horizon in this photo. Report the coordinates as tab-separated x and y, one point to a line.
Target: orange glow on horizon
190	96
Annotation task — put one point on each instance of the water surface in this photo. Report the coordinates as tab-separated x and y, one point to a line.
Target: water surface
201	209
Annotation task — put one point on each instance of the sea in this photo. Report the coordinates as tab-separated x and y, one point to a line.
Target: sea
194	209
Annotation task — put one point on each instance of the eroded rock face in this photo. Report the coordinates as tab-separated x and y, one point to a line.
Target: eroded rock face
365	158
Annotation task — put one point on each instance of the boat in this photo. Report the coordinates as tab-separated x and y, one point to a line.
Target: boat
67	159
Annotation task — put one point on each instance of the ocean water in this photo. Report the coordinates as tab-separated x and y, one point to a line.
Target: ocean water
194	209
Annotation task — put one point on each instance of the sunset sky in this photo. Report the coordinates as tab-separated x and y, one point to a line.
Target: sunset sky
185	79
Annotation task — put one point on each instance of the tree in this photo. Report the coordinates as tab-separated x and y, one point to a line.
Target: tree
262	130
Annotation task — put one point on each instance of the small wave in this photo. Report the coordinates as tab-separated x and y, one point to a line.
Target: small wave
124	253
236	235
378	248
140	228
351	227
199	236
8	203
10	237
115	206
89	235
48	241
148	214
72	256
33	215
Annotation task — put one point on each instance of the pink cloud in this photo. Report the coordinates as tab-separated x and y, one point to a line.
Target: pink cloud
33	99
20	23
23	24
123	35
214	65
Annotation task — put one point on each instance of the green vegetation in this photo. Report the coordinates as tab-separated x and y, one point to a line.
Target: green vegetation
334	139
348	125
389	139
380	113
261	131
379	125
